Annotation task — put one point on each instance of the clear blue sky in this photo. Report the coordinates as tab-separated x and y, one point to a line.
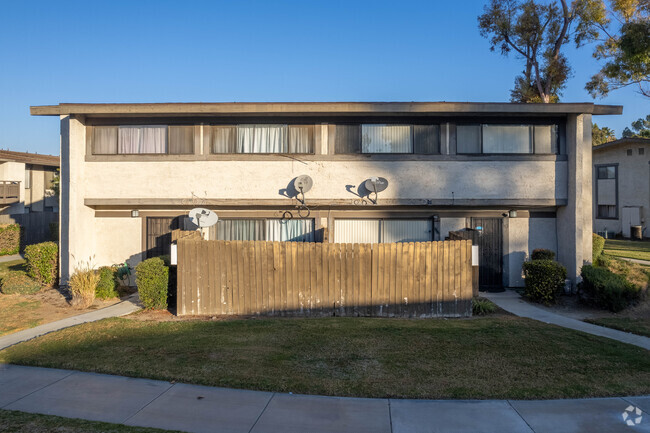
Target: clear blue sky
211	51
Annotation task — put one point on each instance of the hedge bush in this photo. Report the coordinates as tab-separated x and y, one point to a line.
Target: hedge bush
18	282
604	289
9	239
542	254
107	285
43	262
544	280
597	248
152	278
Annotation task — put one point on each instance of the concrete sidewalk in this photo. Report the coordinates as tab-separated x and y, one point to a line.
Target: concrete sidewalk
193	408
122	308
512	302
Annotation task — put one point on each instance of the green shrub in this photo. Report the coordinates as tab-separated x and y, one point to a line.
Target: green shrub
598	246
54	231
542	254
9	239
152	277
604	289
18	282
43	262
544	280
107	286
482	307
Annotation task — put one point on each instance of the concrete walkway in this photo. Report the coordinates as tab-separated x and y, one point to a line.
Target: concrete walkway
193	408
123	308
11	258
512	302
639	261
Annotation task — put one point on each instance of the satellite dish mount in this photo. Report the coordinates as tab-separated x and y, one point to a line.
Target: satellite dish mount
302	184
202	217
375	185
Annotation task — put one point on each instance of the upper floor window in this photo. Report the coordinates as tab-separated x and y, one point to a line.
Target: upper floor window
506	139
607	191
142	139
259	138
385	138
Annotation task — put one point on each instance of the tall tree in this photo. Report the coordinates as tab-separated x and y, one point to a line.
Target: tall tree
536	31
601	135
640	128
625	49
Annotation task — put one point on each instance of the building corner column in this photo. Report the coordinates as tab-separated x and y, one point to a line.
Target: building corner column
575	220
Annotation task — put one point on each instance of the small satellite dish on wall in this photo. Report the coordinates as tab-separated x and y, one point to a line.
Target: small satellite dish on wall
303	183
202	217
376	184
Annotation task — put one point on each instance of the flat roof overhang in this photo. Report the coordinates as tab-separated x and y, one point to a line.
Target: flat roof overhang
323	108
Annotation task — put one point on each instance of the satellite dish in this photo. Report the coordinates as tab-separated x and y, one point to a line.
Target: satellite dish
303	183
376	184
202	217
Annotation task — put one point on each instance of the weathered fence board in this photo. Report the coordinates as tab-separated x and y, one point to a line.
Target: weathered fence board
421	279
36	225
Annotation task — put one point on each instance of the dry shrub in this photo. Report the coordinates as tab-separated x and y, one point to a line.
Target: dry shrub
83	283
633	272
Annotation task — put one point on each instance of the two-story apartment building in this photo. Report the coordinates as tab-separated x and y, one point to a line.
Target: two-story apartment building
519	174
26	182
621	186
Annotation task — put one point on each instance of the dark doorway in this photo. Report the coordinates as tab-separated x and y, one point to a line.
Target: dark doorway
159	235
490	247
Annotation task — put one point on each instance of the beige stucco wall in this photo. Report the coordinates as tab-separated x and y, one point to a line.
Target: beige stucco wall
521	237
633	183
264	179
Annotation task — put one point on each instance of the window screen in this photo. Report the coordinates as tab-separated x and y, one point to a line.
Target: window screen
507	139
607	172
607	211
262	139
426	139
104	140
386	139
181	140
347	138
221	139
301	138
546	139
468	139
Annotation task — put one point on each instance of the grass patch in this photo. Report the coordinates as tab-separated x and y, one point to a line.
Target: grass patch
17	313
630	249
21	422
14	265
498	357
639	326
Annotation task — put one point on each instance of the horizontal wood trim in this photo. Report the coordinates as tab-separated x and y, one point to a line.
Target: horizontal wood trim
310	157
305	108
284	203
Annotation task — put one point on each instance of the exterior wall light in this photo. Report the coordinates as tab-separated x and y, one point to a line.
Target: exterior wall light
135	213
512	214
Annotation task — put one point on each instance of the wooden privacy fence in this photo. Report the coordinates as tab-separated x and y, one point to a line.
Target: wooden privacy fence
422	279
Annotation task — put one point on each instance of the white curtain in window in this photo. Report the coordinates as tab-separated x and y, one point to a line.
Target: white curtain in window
142	139
507	139
301	138
262	139
290	230
386	139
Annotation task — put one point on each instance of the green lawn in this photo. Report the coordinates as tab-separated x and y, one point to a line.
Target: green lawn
21	422
14	265
633	325
630	249
492	357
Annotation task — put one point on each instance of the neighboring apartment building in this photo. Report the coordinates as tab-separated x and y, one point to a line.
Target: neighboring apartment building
26	182
521	172
621	186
